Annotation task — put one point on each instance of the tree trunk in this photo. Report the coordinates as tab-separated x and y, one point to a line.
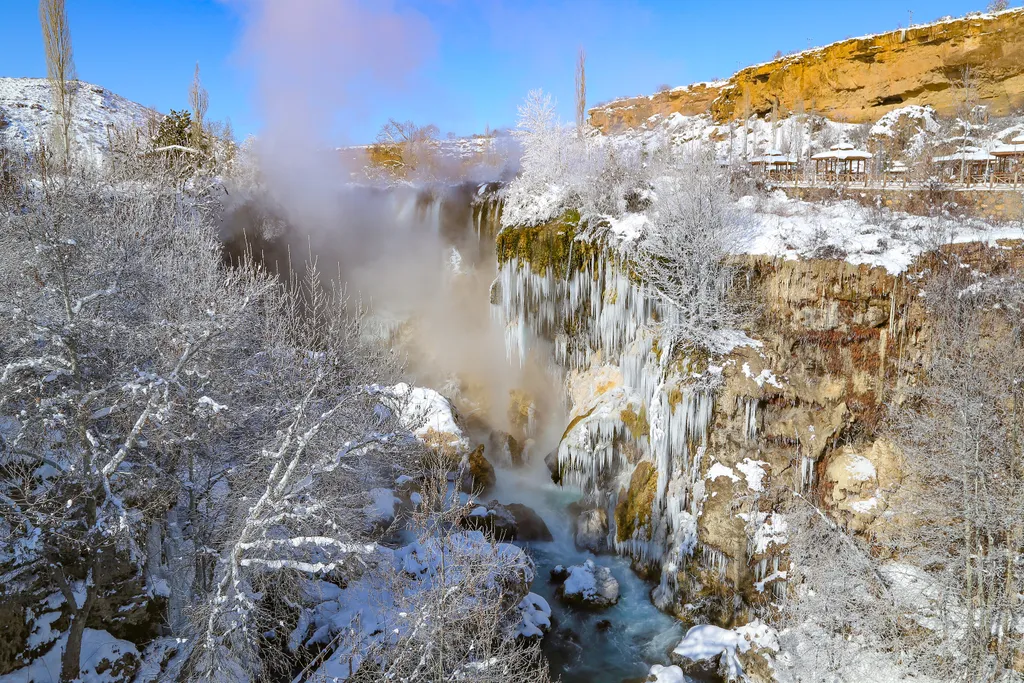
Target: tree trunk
70	662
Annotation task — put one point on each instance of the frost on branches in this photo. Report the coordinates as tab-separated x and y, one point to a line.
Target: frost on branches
190	447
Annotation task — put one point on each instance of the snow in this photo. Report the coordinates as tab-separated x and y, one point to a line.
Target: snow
630	227
705	642
924	116
860	468
536	616
753	470
771	530
425	412
41	633
370	612
581	580
864	506
965	154
766	376
99	650
591	584
213	405
793	229
382	505
719	470
667	674
25	104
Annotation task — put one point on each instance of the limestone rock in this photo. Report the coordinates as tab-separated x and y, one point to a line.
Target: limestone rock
479	473
858	478
551	460
511	522
509	449
521	410
589	585
529	525
592	530
858	79
494	518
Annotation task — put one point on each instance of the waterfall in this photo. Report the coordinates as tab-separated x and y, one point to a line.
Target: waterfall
599	313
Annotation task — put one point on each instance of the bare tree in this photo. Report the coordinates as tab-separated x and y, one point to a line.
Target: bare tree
60	70
104	345
409	146
199	101
682	258
581	91
962	433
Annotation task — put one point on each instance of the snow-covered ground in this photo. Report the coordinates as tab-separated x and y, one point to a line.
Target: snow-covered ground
791	228
26	113
100	653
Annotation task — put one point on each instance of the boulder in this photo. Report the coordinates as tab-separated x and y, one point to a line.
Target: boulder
589	585
494	518
510	451
551	460
522	408
559	574
529	525
536	617
592	530
512	522
478	475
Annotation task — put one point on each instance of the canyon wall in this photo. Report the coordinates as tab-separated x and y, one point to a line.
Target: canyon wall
858	80
690	460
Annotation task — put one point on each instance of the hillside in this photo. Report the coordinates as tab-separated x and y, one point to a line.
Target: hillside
25	112
859	79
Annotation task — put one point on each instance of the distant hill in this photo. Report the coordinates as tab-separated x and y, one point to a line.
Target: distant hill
858	80
26	112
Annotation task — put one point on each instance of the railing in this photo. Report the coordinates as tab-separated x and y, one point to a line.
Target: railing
995	180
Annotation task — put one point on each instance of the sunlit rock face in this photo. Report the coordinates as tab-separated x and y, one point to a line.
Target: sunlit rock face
686	454
856	80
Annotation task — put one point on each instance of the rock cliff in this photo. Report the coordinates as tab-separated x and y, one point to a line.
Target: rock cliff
687	456
859	79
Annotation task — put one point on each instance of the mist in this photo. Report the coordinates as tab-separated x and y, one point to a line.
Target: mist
409	251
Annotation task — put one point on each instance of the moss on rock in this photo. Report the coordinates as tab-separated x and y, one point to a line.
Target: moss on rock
637	423
548	245
634	510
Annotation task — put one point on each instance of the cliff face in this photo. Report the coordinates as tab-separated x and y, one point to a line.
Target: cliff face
690	458
631	112
860	79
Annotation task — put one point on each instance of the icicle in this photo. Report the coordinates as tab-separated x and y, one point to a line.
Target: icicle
806	473
750	418
714	559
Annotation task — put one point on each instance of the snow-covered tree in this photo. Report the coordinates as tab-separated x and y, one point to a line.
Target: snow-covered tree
109	354
962	434
683	258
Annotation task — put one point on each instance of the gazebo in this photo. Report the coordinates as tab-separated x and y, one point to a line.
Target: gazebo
1009	161
897	171
775	164
968	164
842	162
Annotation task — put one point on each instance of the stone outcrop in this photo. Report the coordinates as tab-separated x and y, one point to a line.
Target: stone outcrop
587	585
508	522
592	530
859	79
479	473
691	457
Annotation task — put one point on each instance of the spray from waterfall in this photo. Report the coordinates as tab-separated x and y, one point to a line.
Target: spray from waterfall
421	256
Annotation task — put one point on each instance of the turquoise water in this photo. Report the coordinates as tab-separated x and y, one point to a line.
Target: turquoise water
579	651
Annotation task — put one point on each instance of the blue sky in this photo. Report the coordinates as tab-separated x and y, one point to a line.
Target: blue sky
484	55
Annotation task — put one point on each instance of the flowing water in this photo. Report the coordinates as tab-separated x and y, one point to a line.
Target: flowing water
439	271
579	647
